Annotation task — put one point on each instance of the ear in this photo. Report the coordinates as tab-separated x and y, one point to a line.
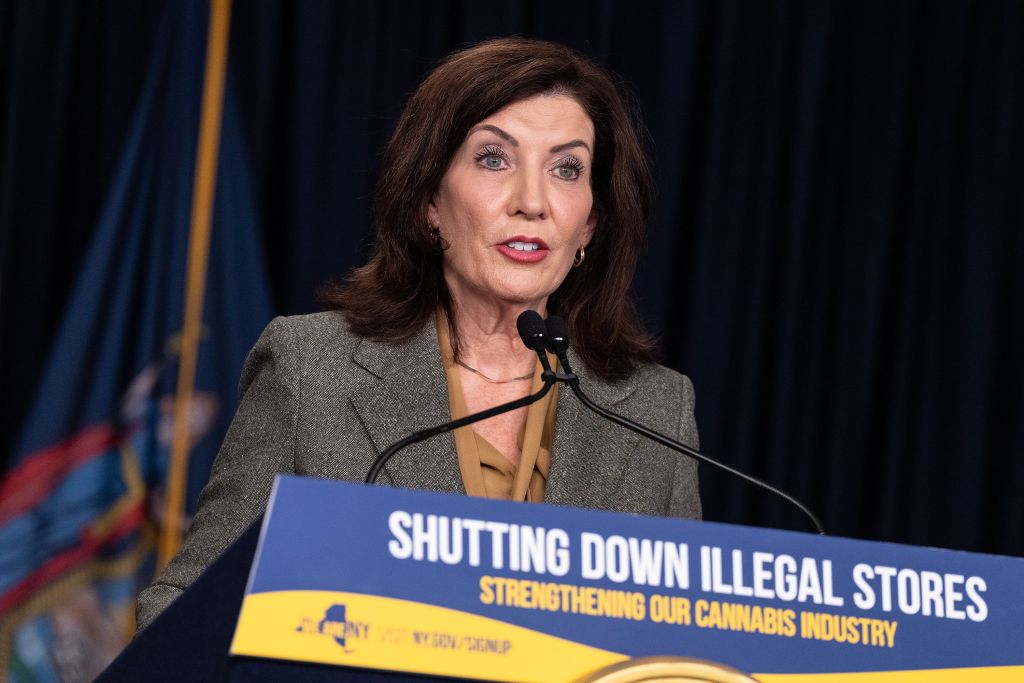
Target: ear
433	213
588	234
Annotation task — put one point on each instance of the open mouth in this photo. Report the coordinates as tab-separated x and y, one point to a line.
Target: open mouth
523	246
524	249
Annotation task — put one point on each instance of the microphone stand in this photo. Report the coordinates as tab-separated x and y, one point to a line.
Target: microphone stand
558	342
539	336
548	377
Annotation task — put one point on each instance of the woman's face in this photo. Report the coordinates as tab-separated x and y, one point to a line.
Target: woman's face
515	203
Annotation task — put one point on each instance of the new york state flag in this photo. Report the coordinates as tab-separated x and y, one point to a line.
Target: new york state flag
82	500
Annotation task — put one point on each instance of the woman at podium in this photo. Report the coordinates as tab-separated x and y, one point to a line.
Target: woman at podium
514	180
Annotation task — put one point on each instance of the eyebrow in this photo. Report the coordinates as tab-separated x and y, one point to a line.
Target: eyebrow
512	141
497	131
569	145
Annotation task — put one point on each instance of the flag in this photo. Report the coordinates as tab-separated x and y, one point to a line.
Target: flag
83	495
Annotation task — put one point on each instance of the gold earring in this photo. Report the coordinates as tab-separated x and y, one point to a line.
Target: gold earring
577	260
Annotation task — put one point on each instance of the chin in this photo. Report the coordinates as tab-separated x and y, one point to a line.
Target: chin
527	296
528	286
520	293
521	298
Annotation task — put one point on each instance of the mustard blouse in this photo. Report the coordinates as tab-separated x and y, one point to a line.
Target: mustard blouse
487	473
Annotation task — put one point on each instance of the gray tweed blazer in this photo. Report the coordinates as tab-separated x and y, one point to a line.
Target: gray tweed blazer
318	400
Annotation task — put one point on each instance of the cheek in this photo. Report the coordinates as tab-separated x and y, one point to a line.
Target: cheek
467	213
576	212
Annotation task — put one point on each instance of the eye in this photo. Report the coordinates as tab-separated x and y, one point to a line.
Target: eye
492	158
569	168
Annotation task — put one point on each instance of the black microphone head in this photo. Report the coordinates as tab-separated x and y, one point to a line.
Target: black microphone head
558	335
532	330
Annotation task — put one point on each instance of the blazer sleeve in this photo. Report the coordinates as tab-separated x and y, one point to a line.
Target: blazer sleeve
685	500
258	445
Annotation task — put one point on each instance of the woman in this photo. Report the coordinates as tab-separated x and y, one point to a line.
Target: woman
514	180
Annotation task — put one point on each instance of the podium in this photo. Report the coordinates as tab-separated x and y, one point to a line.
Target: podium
379	584
190	640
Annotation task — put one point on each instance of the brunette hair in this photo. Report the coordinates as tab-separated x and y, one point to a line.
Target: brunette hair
400	288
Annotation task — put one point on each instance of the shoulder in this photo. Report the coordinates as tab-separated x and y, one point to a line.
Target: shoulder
326	329
654	387
664	397
649	388
315	334
664	381
292	345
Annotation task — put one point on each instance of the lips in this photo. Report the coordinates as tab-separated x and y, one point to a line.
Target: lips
523	246
523	249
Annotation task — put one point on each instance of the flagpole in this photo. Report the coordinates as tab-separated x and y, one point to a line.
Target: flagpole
198	252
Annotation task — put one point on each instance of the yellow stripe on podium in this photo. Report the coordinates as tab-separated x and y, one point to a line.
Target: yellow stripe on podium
399	635
367	631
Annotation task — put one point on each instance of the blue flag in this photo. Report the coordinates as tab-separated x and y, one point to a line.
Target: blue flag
83	495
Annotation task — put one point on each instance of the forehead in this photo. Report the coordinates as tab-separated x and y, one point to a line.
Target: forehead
543	119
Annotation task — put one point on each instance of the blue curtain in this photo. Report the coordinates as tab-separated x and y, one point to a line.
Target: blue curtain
837	258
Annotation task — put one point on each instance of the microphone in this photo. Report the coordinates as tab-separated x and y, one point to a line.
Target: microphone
558	343
533	332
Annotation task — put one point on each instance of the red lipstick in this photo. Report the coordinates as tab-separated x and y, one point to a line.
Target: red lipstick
522	249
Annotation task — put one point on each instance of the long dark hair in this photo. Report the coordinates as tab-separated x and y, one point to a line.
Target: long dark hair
400	288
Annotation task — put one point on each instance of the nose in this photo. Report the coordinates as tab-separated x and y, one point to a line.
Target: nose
529	198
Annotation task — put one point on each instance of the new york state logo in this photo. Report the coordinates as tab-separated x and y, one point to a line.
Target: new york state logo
335	624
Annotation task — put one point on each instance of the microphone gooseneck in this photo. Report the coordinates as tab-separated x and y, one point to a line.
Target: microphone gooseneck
558	343
534	336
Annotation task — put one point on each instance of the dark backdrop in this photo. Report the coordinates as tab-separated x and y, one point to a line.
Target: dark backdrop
837	258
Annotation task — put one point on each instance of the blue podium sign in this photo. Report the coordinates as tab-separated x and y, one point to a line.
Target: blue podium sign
449	585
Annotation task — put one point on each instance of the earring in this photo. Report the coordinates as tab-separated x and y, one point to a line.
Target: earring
435	234
577	260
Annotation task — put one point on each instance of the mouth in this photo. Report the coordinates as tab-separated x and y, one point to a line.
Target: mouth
522	249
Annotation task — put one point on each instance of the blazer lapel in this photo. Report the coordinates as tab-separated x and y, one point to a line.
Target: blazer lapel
410	392
590	453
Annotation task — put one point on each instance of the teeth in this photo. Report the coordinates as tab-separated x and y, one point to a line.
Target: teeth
524	246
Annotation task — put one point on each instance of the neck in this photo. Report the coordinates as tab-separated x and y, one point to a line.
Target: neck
488	338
